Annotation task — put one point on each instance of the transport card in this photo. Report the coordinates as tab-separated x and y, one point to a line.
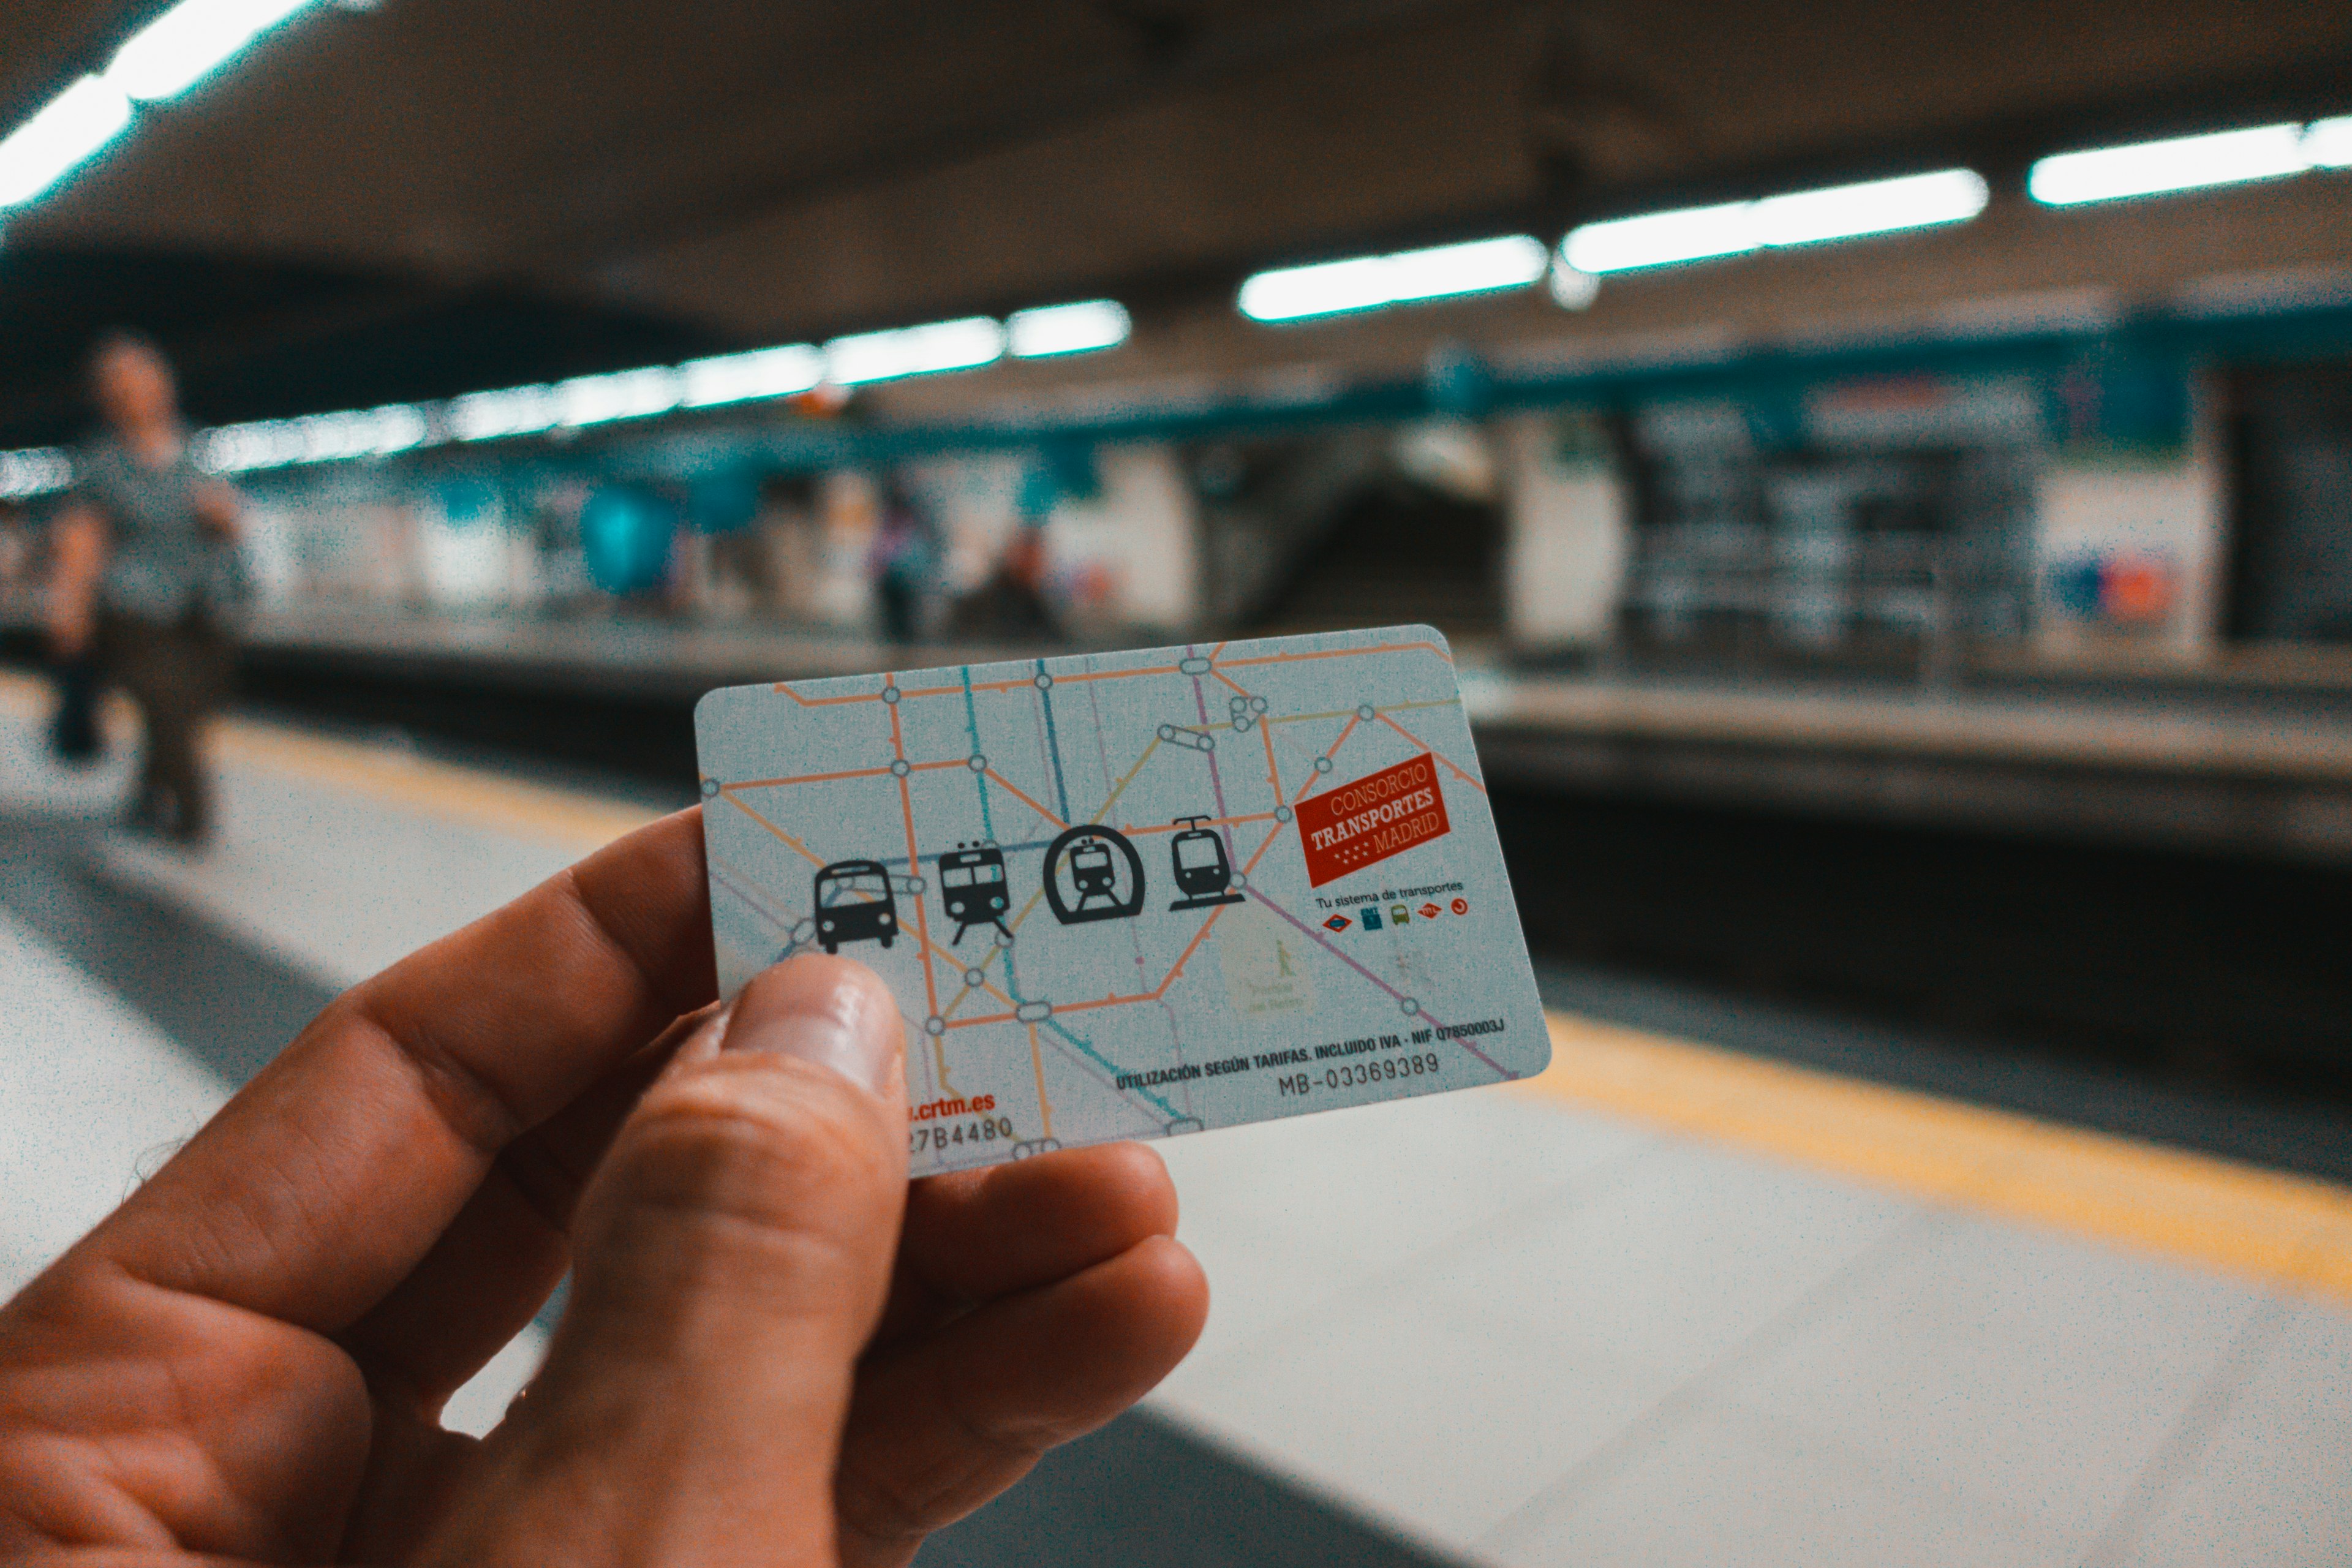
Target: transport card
1128	895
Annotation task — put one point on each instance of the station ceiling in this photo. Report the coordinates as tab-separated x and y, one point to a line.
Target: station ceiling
413	197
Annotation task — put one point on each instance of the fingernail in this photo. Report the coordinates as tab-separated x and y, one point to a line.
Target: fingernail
853	1029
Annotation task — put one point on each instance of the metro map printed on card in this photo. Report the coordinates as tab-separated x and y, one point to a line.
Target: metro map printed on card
1134	894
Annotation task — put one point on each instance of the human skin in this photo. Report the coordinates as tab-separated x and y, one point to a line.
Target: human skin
776	1350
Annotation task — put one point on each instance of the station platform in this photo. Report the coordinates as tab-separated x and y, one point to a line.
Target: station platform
1670	1303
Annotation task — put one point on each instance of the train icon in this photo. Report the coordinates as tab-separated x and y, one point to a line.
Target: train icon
1094	856
1203	875
973	886
854	903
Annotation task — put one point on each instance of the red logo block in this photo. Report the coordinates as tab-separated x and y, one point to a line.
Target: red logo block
1363	824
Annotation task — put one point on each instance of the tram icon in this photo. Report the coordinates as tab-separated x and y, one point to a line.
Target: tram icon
854	903
1094	854
1203	875
973	886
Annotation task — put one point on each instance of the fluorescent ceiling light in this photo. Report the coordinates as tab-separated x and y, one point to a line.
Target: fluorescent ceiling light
1370	282
77	123
34	471
2328	143
2180	164
1799	218
1656	239
240	448
1874	206
913	351
621	395
313	439
362	432
1075	329
740	378
512	411
183	46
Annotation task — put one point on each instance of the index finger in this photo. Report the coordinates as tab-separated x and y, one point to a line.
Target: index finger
320	1185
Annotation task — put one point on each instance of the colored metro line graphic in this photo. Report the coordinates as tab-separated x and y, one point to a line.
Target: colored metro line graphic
1048	797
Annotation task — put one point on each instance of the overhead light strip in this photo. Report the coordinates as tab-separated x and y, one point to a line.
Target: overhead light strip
1776	223
1051	330
584	401
746	377
162	60
77	123
963	345
1406	277
189	42
2329	143
2190	163
35	471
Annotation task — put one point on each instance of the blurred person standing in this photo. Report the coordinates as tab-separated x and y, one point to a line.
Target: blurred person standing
143	563
1010	606
905	560
73	736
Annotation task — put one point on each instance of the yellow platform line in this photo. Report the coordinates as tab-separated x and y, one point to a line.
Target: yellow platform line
429	787
2283	1231
423	785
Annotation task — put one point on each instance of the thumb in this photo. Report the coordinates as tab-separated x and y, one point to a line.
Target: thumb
730	1258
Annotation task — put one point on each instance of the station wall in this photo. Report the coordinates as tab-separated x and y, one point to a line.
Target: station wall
2074	493
2082	504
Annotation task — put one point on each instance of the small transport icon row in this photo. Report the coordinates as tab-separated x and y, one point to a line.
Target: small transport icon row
1091	872
1398	914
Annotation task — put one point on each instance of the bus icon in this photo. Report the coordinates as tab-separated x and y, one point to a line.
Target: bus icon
854	903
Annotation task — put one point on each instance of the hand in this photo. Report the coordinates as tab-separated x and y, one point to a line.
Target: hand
776	1350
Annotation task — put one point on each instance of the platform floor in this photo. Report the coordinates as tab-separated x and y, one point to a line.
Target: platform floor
1669	1304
